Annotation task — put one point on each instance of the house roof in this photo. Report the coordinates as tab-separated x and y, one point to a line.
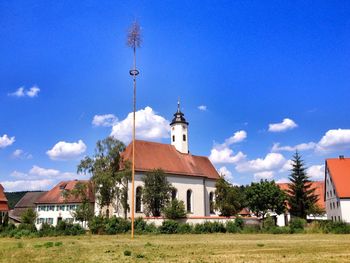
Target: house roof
28	200
339	169
55	195
319	191
2	194
153	155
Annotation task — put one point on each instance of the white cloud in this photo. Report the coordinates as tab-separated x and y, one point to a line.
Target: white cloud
287	167
268	175
299	147
286	124
6	141
202	107
334	140
20	154
225	155
282	180
316	172
22	92
33	92
36	170
149	126
66	151
106	120
27	185
236	137
272	161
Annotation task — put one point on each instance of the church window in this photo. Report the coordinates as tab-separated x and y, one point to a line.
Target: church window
211	202
174	194
173	138
138	199
189	201
184	137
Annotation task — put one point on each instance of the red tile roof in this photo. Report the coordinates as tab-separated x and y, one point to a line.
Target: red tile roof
2	194
55	195
153	155
339	170
319	191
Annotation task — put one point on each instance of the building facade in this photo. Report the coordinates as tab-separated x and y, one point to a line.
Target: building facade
337	189
4	208
193	177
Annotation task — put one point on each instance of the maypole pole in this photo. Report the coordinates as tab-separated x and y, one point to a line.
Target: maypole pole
134	41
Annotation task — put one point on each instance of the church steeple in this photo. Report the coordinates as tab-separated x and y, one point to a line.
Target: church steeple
179	131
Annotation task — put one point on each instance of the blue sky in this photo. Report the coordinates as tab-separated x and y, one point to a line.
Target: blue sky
252	64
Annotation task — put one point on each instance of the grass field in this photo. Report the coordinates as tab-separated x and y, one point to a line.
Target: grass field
179	248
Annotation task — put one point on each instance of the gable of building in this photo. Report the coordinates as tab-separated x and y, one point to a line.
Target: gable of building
339	171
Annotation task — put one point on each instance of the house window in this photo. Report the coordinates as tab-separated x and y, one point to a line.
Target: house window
173	194
184	137
211	202
189	201
173	138
138	199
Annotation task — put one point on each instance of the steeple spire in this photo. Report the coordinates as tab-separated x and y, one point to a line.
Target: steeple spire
179	130
178	104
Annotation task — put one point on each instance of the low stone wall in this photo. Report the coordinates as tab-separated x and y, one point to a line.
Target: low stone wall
199	220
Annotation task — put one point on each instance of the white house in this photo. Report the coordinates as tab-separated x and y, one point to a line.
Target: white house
337	189
53	206
193	177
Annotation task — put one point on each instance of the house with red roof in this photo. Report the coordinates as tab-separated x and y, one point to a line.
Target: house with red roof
282	220
56	205
337	189
4	208
193	177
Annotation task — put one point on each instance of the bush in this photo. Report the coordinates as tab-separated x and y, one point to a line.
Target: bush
97	225
174	209
297	225
251	229
184	228
169	227
116	225
209	227
68	229
231	227
140	225
151	228
334	227
239	222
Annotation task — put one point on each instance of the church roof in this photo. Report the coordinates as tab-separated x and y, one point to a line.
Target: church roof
153	155
339	169
178	116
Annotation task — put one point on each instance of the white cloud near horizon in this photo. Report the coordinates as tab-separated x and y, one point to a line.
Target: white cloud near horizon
272	161
6	141
66	150
149	126
22	92
300	147
27	185
202	107
286	124
106	120
265	175
316	172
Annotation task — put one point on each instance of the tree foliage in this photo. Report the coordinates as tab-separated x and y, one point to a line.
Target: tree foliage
227	198
105	168
302	198
156	192
265	196
174	209
29	216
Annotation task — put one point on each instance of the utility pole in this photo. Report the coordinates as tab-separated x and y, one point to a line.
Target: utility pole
134	41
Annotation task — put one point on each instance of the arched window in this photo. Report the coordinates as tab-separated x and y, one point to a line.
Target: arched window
189	201
173	194
138	199
184	137
211	202
173	138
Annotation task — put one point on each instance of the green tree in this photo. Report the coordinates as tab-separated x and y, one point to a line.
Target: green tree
29	216
108	174
265	197
84	211
227	197
174	209
156	192
302	198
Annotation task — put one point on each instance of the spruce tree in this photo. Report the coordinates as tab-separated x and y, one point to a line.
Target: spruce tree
302	196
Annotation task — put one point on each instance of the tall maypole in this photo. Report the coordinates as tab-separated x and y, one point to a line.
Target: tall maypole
134	41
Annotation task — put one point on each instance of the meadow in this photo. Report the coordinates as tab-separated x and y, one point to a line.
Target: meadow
179	248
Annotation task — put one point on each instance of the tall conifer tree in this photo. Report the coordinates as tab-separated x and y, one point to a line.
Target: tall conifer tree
302	196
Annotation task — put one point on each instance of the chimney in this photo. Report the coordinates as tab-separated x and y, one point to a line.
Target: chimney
341	157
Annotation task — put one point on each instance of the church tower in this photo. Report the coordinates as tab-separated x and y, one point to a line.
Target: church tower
179	131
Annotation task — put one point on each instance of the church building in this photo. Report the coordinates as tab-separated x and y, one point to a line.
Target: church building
193	177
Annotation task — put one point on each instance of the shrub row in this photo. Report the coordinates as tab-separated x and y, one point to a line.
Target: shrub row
28	230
